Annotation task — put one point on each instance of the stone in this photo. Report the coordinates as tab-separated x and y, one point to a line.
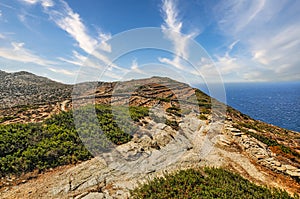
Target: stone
294	174
223	140
238	134
145	141
280	168
246	145
160	126
259	156
162	138
193	123
244	136
269	159
290	167
276	163
252	131
120	192
234	130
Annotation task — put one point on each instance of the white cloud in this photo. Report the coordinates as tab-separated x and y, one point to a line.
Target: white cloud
103	41
97	47
232	45
30	1
47	3
172	29
171	18
136	69
62	71
44	3
6	6
71	22
134	65
22	18
234	15
269	33
2	36
18	52
81	60
77	59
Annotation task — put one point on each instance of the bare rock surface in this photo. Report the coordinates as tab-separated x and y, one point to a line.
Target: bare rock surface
100	178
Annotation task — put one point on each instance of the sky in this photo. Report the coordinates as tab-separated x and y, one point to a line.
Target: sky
71	40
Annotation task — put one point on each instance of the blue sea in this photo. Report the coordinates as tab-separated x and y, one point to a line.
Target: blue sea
274	103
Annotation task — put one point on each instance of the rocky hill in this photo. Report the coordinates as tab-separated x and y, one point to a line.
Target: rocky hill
184	129
24	88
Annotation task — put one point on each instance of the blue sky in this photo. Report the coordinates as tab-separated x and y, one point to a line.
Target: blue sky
254	40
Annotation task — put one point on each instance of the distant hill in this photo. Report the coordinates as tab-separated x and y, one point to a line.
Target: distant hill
23	88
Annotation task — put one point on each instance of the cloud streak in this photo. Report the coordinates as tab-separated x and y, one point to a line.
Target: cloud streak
44	3
71	22
18	52
62	71
172	29
269	33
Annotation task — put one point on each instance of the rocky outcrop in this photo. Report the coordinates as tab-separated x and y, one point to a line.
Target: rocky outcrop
260	152
156	150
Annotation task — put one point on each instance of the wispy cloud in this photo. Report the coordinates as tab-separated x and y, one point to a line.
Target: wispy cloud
30	1
172	29
44	3
134	65
93	46
235	15
6	6
269	33
71	22
62	71
18	52
170	14
76	59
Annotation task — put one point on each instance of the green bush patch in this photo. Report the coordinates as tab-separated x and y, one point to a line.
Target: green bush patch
210	183
26	147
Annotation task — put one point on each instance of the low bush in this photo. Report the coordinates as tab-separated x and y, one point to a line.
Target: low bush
25	147
210	183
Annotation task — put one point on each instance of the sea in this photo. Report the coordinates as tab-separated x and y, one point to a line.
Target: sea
274	103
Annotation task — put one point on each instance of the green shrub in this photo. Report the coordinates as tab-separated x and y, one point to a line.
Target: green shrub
174	110
202	117
173	124
164	99
210	183
25	147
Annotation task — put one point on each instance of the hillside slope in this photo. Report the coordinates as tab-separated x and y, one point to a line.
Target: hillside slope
173	136
24	88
